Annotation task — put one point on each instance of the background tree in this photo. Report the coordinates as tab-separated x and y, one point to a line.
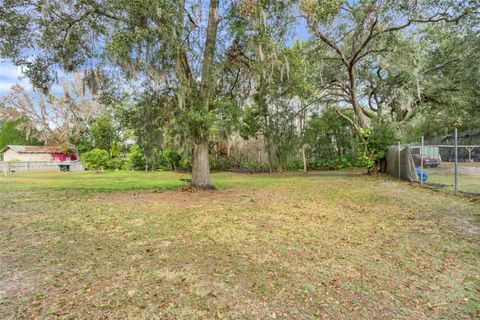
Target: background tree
302	88
355	40
103	133
330	137
190	75
169	44
136	158
450	95
260	37
95	159
55	119
9	134
149	117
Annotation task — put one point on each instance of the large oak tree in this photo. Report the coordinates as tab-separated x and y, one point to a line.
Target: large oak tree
171	45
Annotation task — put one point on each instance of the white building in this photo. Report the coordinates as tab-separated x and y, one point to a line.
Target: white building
35	153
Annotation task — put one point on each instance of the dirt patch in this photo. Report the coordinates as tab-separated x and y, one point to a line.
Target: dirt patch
15	284
464	168
469	227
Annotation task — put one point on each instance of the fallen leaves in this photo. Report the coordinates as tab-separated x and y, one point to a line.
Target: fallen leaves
295	247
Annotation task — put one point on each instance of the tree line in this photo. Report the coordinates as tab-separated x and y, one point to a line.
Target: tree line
202	81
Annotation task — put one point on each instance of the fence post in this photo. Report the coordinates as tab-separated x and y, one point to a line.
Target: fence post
421	161
399	162
456	161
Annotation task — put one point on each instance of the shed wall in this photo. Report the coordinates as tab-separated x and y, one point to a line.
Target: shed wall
12	155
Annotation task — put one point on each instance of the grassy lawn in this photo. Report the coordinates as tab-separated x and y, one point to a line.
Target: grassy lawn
91	180
122	180
468	179
465	183
327	245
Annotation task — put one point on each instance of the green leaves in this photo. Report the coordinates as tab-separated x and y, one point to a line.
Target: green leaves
318	11
9	134
377	139
136	158
95	159
329	137
103	133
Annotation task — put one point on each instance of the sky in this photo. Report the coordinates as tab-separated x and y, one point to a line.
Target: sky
10	75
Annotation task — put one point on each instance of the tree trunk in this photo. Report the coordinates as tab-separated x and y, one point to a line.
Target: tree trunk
304	158
279	166
353	98
269	153
303	116
228	146
270	160
200	166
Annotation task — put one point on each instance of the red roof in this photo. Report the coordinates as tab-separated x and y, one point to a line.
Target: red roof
37	149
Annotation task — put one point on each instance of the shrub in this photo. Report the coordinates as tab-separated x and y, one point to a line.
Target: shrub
186	163
172	158
222	163
378	138
255	167
116	163
295	165
331	164
95	159
313	165
136	158
343	163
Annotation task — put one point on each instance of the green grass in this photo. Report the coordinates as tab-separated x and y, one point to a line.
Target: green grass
443	177
91	180
327	245
466	183
123	180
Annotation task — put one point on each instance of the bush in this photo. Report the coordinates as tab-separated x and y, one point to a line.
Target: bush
254	167
222	163
313	165
186	164
116	163
172	158
136	158
378	138
331	164
295	165
95	159
343	163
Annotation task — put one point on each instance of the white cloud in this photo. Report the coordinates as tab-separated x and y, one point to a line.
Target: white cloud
6	85
10	75
10	71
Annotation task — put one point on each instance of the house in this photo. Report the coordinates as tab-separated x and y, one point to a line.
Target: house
36	153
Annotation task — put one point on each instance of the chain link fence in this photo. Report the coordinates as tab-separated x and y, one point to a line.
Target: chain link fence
451	162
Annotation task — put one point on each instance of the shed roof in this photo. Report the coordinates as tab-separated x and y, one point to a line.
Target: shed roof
36	149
